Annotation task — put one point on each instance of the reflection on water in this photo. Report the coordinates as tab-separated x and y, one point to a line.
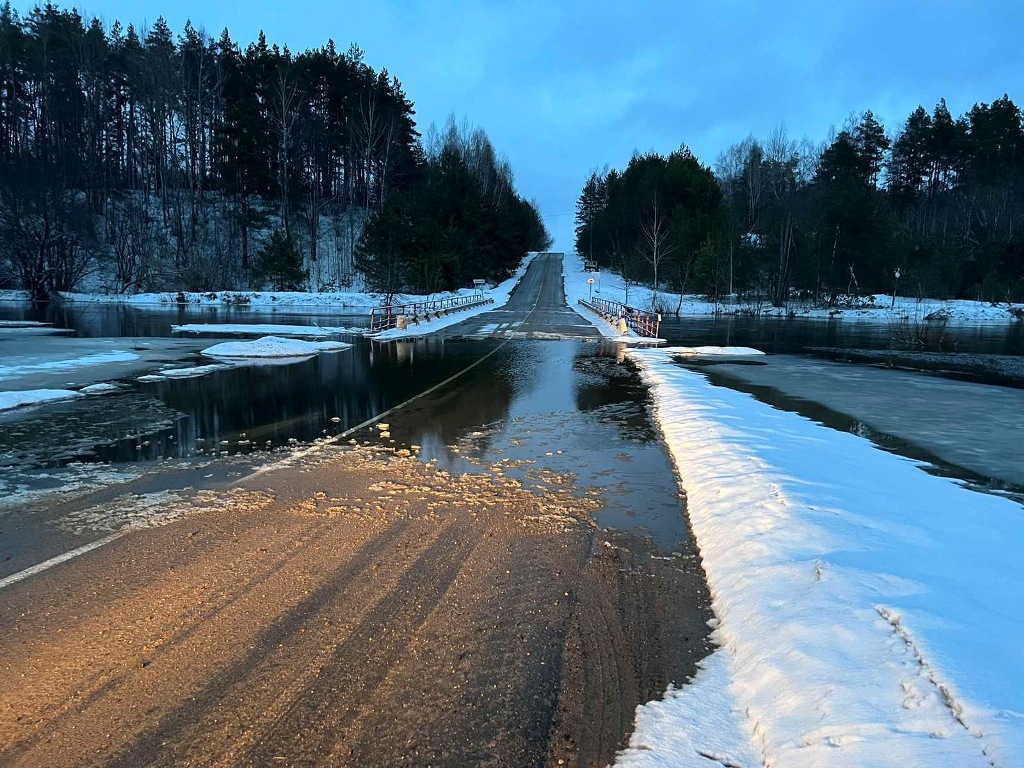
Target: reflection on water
556	412
115	320
784	335
235	409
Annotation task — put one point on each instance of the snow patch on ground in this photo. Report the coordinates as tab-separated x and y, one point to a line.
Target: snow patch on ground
868	608
351	300
241	329
272	346
698	726
11	400
876	309
578	288
499	296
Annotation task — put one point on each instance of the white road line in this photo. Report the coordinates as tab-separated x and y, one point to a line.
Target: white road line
47	564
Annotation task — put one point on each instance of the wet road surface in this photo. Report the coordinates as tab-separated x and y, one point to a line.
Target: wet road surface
361	608
536	309
497	577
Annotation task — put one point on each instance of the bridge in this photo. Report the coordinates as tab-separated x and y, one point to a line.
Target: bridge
536	310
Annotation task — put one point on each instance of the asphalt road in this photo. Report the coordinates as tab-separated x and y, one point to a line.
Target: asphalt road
353	610
535	310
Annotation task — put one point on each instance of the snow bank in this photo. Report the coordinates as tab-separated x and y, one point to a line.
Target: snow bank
498	295
263	329
609	285
272	346
870	610
11	400
692	727
357	302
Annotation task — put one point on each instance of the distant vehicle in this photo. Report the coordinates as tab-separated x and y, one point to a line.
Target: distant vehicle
590	266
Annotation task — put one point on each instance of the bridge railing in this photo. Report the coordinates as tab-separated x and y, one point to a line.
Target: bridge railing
386	316
642	322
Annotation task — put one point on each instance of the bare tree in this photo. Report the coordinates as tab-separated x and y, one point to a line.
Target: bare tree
284	119
656	236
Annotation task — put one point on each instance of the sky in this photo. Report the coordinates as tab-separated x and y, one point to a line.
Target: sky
566	87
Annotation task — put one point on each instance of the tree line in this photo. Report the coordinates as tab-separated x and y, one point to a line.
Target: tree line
461	220
133	160
935	210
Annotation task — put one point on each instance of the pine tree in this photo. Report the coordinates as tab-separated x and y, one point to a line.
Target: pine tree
280	263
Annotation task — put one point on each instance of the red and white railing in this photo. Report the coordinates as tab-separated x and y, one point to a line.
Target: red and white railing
640	321
386	317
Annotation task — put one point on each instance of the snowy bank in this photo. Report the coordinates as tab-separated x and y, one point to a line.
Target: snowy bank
12	400
869	609
696	726
354	301
498	295
879	309
272	346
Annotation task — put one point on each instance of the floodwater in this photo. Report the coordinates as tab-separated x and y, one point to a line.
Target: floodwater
796	335
124	320
544	409
542	412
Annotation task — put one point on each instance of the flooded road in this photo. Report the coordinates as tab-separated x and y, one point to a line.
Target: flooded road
497	574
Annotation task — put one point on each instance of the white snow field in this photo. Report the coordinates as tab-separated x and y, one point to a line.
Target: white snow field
611	286
868	612
271	346
498	295
11	400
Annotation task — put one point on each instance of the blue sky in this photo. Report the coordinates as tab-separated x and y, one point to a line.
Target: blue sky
563	88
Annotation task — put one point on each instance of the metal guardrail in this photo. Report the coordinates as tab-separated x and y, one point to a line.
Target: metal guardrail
642	322
385	317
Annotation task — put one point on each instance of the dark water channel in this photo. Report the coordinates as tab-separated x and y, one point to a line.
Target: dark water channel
797	335
125	320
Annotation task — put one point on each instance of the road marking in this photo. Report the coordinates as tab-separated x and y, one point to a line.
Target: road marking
47	564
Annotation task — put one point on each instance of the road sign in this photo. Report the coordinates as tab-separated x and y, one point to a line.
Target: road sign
591	281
